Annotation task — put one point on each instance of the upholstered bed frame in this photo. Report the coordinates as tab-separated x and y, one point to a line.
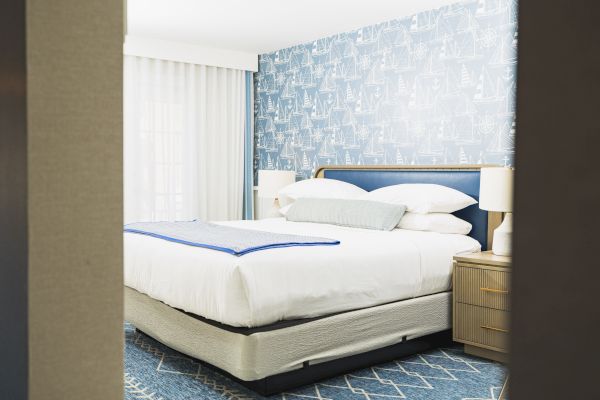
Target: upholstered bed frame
287	354
464	178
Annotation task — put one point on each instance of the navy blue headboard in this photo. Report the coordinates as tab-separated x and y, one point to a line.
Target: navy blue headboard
465	179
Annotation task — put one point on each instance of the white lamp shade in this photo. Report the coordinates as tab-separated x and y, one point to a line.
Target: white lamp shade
496	189
271	181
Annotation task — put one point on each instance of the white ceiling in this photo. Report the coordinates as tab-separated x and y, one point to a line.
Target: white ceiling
261	26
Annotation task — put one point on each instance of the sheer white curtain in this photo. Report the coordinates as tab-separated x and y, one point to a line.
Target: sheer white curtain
184	141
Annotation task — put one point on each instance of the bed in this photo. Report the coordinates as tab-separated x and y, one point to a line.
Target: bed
285	317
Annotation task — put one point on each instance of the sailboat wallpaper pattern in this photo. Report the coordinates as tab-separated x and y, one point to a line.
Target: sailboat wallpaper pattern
434	88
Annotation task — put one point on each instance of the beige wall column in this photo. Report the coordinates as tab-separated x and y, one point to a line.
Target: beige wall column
74	101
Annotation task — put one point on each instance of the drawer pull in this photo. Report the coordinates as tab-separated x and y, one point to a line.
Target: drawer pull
484	289
491	328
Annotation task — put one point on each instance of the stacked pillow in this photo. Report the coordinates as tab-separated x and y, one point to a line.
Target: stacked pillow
434	222
428	206
422	198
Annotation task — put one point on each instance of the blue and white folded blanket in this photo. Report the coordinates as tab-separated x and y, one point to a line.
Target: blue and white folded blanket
228	239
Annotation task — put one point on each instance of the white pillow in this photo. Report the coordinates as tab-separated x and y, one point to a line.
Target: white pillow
434	222
319	188
284	210
422	198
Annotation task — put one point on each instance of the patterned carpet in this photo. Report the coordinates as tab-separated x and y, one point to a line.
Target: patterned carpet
156	372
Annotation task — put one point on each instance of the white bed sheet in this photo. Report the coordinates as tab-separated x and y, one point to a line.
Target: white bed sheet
368	268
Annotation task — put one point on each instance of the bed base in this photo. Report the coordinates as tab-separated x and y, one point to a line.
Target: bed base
273	359
311	373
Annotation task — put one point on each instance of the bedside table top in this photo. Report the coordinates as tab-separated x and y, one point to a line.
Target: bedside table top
486	258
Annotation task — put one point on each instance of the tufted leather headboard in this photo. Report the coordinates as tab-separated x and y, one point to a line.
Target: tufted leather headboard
464	178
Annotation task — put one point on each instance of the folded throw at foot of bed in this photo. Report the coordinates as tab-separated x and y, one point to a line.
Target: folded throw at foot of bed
228	239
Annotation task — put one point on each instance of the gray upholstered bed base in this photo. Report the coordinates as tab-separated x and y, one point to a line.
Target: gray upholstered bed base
251	357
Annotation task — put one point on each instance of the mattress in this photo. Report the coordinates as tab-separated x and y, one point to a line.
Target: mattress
368	268
258	355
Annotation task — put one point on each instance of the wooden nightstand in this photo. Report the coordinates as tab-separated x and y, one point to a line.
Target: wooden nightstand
480	306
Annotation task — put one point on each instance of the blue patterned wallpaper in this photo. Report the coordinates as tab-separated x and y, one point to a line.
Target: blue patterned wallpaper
434	88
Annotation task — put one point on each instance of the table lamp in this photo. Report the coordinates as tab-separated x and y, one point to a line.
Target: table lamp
496	194
271	181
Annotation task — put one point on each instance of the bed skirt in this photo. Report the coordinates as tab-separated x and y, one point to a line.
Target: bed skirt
297	350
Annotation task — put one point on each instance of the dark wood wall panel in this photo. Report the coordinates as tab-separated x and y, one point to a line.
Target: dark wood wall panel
13	201
555	303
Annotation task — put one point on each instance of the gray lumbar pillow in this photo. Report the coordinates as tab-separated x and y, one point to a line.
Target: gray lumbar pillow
353	213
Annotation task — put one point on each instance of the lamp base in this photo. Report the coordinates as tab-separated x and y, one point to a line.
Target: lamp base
502	244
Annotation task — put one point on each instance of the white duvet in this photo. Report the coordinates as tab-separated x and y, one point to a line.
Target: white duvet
368	268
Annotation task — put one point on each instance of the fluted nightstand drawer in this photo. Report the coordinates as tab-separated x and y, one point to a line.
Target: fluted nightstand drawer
481	326
482	287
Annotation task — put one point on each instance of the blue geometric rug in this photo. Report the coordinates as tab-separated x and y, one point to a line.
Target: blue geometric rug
153	371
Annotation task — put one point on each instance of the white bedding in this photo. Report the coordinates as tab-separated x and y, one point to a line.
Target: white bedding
369	267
